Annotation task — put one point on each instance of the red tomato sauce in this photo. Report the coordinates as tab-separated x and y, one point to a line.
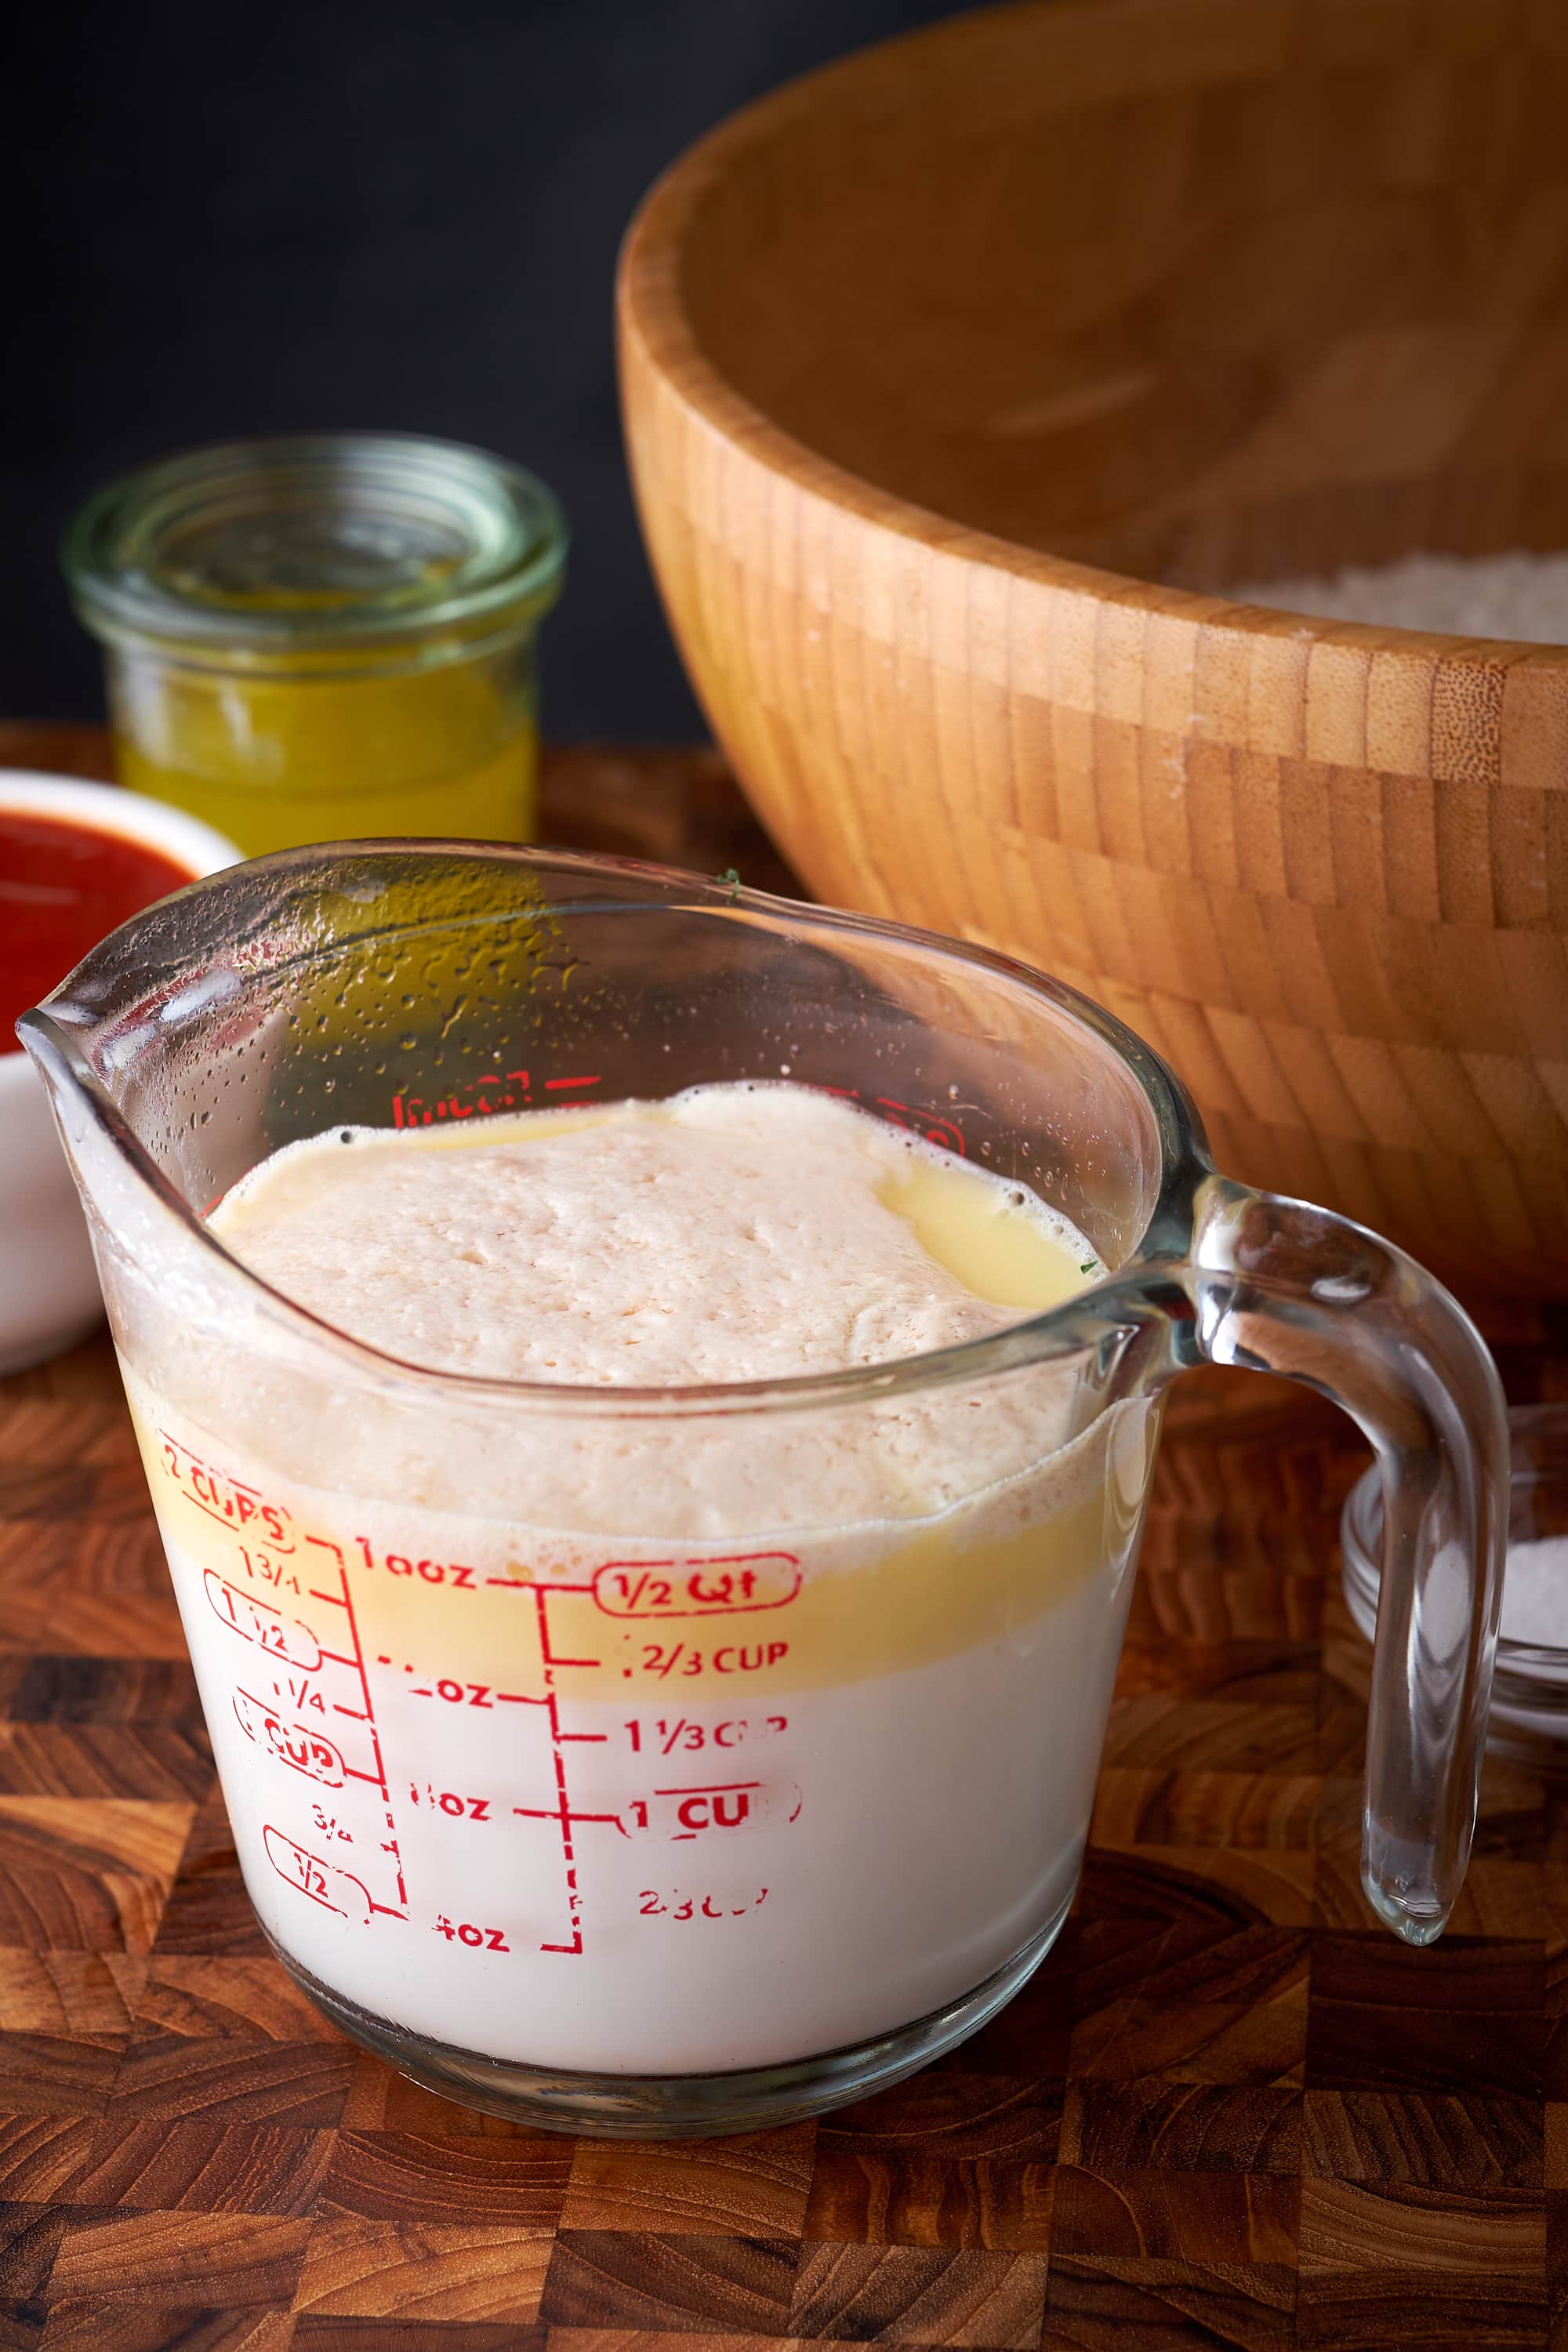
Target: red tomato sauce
62	887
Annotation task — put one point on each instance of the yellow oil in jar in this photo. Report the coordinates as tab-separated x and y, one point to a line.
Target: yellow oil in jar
328	638
275	762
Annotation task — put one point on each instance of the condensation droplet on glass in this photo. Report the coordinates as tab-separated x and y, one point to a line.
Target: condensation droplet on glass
408	1040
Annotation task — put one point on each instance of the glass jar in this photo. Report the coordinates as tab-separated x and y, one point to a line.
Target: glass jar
1530	1690
325	638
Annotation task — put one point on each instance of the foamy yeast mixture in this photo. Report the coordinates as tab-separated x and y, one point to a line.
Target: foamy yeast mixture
733	1234
654	1746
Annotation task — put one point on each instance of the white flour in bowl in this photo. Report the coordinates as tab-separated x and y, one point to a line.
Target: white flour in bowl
1518	595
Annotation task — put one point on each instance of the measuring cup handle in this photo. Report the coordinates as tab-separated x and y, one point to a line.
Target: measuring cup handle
1279	1286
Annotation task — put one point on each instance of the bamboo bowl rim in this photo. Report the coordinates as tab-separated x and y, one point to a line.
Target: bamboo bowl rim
649	307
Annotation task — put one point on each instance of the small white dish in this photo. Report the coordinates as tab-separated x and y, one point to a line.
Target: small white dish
49	1285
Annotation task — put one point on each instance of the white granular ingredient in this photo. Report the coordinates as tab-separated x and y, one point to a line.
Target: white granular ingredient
1535	1594
1519	595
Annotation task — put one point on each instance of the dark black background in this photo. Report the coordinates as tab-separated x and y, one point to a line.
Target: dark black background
402	216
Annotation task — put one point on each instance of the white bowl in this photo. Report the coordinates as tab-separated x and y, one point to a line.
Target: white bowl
49	1283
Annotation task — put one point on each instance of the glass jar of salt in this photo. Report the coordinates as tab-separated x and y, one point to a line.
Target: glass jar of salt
1530	1692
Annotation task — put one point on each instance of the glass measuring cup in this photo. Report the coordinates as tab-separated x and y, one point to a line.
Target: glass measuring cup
683	1760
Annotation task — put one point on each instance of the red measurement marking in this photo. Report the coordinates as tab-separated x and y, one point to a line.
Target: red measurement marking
457	1693
451	1573
230	1501
324	1882
294	1744
699	1585
256	1621
708	1789
936	1129
449	1801
722	1586
510	1090
695	1737
728	1808
562	1810
944	1132
526	1584
312	1753
729	1658
554	1813
724	1806
370	1716
652	1905
569	1855
415	1111
263	1569
477	1939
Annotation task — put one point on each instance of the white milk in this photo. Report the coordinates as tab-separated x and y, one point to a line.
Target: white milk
724	1741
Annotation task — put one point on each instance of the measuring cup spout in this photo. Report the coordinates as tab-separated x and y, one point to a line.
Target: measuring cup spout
129	1202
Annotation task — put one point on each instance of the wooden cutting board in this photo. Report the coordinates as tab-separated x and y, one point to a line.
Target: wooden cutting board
1229	2111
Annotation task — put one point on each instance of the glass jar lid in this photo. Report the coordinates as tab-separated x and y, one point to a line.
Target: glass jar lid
318	542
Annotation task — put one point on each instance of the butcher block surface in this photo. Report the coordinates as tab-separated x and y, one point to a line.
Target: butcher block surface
1228	2111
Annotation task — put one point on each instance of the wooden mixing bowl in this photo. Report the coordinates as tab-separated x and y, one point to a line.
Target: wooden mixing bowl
935	362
